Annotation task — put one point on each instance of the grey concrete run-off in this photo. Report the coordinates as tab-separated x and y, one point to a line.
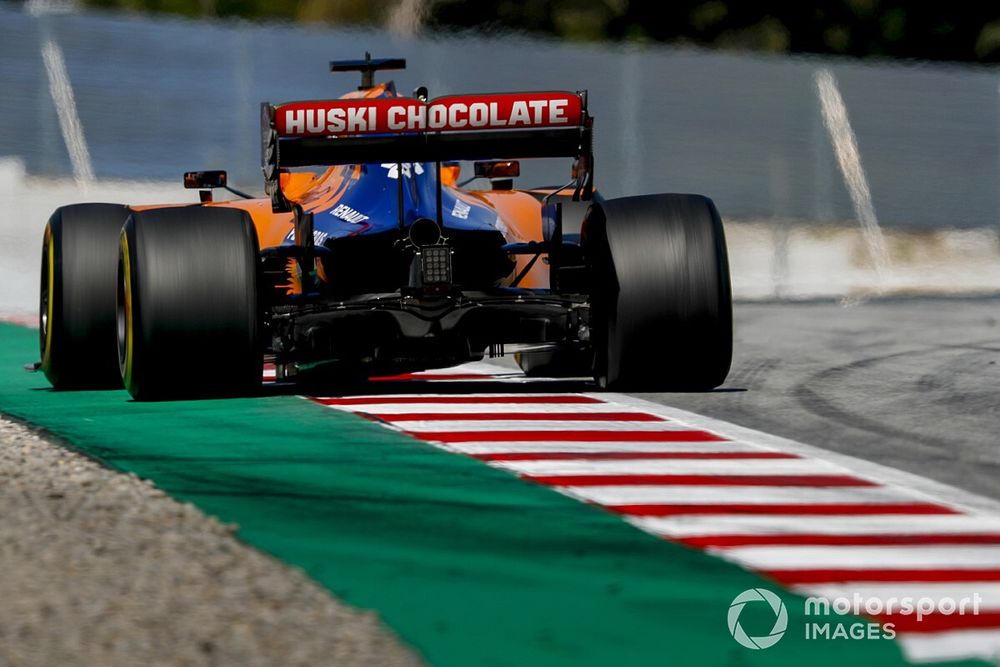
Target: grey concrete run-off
913	384
101	568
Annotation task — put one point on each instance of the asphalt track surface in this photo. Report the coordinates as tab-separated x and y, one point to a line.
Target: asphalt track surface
909	383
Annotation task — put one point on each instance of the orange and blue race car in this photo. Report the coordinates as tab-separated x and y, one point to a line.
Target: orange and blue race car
370	254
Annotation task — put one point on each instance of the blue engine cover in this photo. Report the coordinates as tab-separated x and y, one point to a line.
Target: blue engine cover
368	204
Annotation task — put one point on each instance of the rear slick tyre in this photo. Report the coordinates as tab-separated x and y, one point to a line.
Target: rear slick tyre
187	309
76	315
661	316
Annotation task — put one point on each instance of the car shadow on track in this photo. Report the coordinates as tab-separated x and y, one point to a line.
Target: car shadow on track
518	385
444	387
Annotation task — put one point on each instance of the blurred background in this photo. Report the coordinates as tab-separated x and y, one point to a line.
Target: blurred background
853	146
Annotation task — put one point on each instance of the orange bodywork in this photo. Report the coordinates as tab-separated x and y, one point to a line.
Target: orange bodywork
518	212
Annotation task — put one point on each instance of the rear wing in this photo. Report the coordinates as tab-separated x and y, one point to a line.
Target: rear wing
397	129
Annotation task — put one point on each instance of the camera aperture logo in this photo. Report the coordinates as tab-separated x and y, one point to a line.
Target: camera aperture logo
858	617
757	595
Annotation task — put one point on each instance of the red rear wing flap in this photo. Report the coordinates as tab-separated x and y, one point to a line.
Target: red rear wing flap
397	129
466	127
464	113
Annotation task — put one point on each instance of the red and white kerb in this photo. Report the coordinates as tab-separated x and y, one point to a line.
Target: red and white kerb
812	521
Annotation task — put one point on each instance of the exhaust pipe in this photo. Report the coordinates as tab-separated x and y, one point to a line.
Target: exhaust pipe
424	232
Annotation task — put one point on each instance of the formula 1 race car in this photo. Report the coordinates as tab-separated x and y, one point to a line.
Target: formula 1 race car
368	256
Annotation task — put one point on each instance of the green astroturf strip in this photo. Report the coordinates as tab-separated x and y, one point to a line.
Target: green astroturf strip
470	565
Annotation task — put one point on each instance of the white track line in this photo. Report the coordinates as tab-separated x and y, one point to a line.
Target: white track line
850	557
483	367
738	467
390	410
559	430
505	398
951	645
845	146
679	527
509	379
598	447
69	120
724	495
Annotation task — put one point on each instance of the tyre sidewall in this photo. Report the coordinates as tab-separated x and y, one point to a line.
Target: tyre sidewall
78	274
661	299
195	307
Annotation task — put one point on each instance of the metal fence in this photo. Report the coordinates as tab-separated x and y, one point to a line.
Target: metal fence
159	96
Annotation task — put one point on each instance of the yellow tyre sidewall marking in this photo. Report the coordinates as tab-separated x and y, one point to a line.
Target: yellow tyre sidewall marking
127	277
50	250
